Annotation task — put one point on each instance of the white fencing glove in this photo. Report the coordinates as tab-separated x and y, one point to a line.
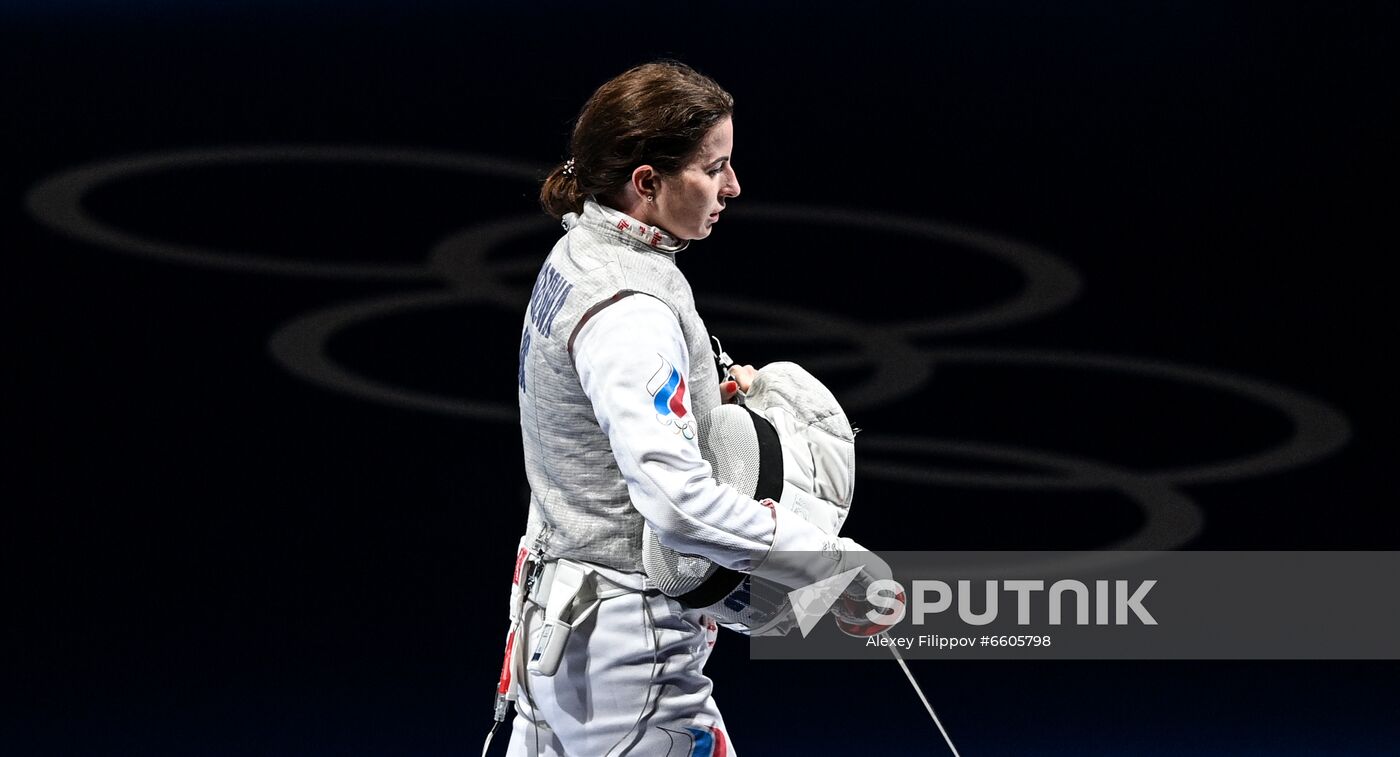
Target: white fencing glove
803	554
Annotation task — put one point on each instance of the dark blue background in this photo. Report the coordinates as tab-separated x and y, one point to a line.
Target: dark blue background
207	556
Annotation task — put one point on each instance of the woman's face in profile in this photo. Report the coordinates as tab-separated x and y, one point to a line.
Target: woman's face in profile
689	203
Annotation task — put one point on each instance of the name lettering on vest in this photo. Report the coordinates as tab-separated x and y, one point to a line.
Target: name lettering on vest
524	353
547	299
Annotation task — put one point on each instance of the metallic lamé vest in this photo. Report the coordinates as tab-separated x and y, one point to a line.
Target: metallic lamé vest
579	505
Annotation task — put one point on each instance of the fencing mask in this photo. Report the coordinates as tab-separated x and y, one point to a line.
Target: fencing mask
789	442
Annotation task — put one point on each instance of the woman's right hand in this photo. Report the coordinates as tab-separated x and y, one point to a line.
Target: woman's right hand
740	379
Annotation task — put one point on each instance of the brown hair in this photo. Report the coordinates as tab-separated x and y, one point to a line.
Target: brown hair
656	113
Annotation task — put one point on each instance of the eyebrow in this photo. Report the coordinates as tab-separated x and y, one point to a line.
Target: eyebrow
722	159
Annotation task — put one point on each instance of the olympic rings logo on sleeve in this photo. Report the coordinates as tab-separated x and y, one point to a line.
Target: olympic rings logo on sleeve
900	355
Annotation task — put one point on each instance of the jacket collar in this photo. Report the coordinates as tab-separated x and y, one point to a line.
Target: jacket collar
611	221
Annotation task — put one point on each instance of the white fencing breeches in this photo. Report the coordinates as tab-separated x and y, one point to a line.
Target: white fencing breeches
631	682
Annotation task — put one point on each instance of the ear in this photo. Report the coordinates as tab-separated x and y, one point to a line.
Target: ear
645	181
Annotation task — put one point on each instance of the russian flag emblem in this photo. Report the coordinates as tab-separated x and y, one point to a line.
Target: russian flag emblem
667	388
709	742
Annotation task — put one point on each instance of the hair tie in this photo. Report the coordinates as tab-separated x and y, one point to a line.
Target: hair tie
569	167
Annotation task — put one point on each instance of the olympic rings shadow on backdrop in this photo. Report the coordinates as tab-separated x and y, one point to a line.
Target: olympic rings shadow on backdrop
901	367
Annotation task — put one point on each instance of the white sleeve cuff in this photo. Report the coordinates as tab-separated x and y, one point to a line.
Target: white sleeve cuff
801	554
